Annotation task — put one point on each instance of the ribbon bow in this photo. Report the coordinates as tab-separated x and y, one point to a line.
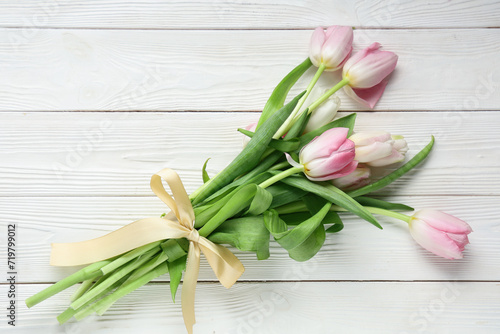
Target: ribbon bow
225	264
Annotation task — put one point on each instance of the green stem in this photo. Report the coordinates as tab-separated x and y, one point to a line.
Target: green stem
281	176
90	272
329	93
150	265
114	277
280	165
129	256
82	289
388	213
293	116
102	305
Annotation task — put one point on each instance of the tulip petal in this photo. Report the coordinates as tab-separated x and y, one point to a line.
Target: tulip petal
460	239
324	114
323	145
443	221
330	165
373	151
337	47
369	137
366	96
358	56
315	46
291	161
345	171
359	177
392	158
434	241
372	69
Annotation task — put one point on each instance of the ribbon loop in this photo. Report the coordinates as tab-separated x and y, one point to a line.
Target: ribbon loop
225	264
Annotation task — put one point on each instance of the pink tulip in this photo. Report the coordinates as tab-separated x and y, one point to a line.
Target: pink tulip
331	48
328	156
440	233
360	177
366	72
399	149
379	148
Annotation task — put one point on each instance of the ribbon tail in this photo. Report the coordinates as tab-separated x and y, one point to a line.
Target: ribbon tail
226	266
133	235
189	286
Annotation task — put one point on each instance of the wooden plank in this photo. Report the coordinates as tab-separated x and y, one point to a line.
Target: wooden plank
231	70
115	154
260	14
295	307
359	252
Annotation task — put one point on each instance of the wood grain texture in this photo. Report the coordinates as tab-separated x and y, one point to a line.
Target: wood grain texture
295	307
231	70
115	154
240	14
359	252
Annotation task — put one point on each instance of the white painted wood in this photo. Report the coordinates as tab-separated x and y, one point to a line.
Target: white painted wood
359	252
101	154
249	15
224	58
231	70
295	307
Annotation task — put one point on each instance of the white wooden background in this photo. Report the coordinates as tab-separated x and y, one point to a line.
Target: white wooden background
95	96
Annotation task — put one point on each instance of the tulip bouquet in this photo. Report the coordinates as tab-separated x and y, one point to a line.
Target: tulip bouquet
299	172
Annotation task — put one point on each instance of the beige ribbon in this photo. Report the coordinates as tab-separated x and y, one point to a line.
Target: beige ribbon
225	264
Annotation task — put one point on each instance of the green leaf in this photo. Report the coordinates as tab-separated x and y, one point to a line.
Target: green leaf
279	94
206	212
396	174
260	202
237	202
204	172
175	248
251	154
378	203
333	218
279	145
284	194
333	195
298	127
303	241
248	234
314	203
175	270
251	177
344	122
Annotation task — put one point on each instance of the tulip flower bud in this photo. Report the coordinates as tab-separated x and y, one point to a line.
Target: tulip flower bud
328	156
366	71
324	114
440	233
360	177
399	149
379	148
331	48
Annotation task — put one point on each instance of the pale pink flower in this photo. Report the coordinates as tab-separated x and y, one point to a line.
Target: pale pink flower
360	177
379	148
366	72
440	233
331	47
328	156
